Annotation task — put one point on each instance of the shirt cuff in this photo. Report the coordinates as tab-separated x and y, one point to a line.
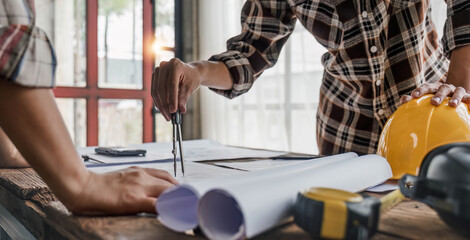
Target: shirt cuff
241	71
456	32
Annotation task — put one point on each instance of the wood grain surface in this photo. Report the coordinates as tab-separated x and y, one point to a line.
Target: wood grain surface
27	197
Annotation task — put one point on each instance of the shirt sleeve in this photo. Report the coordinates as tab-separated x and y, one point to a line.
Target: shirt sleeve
27	57
457	25
266	26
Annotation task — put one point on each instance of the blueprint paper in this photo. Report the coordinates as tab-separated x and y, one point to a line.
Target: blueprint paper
259	164
192	171
177	206
244	210
193	150
207	150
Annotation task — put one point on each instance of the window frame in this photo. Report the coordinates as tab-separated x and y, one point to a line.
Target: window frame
92	93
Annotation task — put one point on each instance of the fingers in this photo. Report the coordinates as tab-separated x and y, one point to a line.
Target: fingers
405	98
443	91
154	181
173	84
155	95
162	90
459	93
157	187
126	191
440	90
425	89
183	97
466	99
147	204
161	174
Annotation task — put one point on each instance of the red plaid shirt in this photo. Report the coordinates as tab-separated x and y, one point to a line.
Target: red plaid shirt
378	50
26	54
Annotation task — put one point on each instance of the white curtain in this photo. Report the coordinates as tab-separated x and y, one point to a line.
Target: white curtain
279	111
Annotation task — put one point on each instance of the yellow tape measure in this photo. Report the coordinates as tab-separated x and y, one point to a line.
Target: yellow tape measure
337	214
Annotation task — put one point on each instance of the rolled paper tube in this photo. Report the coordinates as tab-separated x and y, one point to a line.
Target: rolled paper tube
177	206
246	209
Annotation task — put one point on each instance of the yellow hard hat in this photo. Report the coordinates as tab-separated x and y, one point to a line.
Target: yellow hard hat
416	128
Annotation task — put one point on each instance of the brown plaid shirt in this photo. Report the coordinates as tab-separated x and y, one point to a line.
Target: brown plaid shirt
378	50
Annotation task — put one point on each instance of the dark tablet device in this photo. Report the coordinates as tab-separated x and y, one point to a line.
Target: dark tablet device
120	151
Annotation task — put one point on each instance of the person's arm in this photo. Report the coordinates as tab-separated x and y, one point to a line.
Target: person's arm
456	45
10	157
32	121
266	26
458	76
456	86
185	80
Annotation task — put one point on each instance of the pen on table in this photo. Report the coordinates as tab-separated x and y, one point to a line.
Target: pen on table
86	158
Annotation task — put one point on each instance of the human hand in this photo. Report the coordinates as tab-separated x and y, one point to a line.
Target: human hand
441	91
128	191
173	83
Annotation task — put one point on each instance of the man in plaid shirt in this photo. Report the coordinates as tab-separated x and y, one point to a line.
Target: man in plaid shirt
380	54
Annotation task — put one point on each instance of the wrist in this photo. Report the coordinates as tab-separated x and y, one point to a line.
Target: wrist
74	205
199	72
214	74
72	185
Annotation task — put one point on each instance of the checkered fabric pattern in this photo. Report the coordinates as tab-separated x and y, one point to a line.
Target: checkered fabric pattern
377	51
26	54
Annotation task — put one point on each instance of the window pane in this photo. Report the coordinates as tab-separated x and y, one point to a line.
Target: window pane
303	128
65	24
165	22
305	87
73	112
120	44
120	122
163	129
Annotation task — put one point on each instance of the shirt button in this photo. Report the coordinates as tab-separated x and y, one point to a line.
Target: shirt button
373	49
381	112
378	82
364	14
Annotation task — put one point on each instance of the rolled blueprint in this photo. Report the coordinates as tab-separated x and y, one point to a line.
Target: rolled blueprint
177	206
244	210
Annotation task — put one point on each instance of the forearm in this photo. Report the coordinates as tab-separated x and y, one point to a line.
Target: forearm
9	155
459	68
214	74
32	120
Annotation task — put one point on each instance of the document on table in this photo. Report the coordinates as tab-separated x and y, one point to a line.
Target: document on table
193	171
193	150
259	164
207	150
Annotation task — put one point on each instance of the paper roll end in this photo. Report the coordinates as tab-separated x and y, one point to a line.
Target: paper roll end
177	208
220	216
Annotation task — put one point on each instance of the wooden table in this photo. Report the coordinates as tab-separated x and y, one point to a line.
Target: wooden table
26	197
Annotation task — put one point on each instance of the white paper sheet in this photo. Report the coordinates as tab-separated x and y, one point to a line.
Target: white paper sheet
193	171
207	150
193	150
258	165
177	207
240	210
